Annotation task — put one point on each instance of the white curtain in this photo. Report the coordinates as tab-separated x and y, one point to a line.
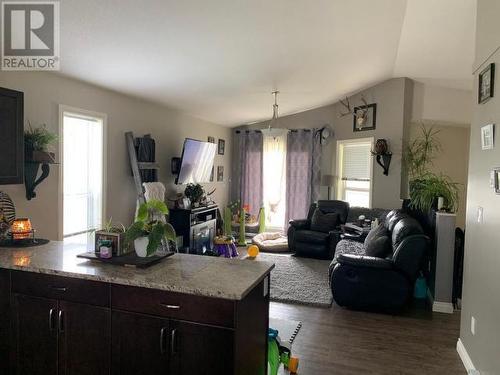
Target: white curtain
274	177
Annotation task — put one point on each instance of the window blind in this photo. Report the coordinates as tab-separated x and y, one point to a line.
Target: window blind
356	161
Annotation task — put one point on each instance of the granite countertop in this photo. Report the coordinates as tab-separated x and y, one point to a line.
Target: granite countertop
183	273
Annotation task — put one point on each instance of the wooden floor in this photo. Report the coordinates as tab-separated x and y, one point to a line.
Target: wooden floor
339	341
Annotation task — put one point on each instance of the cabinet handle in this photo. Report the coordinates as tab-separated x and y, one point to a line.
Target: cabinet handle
58	288
60	321
163	350
51	319
173	344
172	307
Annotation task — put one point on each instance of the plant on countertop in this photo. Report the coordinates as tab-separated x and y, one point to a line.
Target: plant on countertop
194	192
426	187
147	224
113	228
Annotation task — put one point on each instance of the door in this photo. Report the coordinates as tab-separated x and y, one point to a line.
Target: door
196	349
84	339
34	335
140	344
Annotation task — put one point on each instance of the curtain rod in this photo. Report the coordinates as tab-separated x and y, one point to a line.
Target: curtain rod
259	130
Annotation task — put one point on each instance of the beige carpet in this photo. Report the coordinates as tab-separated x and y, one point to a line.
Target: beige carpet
299	280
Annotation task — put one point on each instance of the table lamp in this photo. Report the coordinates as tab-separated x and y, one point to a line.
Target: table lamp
328	180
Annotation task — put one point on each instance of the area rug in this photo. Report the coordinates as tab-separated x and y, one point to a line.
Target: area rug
299	280
287	329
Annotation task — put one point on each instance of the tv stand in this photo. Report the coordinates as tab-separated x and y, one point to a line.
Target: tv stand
197	226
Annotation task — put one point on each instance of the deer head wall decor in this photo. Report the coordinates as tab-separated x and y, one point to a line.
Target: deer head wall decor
361	113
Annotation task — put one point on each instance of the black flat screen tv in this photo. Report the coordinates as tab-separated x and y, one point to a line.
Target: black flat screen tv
197	161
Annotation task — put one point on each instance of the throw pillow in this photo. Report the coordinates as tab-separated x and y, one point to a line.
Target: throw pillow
378	243
324	222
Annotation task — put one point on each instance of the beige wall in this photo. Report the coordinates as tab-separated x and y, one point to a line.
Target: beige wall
453	160
392	97
481	296
43	92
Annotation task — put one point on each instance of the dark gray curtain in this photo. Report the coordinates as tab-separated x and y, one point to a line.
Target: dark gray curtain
303	162
250	155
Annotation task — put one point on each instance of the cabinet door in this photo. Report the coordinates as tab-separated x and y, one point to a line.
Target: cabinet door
34	335
140	344
4	321
196	349
84	339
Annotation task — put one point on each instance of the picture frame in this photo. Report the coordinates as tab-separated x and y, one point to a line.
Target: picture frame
220	173
486	87
212	174
371	120
221	147
488	137
210	139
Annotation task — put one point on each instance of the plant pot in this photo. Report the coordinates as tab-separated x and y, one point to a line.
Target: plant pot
44	157
141	247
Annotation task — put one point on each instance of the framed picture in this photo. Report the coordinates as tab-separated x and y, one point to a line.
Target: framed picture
486	84
212	174
488	137
222	146
211	139
365	118
220	173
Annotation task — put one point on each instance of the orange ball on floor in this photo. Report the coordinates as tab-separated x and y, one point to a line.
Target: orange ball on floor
253	251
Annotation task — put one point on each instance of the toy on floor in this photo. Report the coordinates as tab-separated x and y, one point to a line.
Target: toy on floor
224	246
278	354
253	251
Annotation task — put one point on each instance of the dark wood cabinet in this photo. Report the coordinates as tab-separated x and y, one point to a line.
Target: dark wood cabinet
4	321
140	344
69	326
84	339
34	335
197	349
11	137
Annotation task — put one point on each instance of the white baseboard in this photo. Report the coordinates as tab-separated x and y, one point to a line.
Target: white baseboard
442	307
464	356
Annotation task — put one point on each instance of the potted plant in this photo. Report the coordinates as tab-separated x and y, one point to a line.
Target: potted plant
195	193
115	234
149	232
425	187
37	142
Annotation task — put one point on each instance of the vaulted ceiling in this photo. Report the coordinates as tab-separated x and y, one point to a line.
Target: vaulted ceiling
219	60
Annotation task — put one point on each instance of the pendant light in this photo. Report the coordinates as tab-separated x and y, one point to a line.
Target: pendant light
274	120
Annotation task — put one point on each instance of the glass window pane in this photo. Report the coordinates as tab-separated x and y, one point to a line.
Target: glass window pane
357	198
357	184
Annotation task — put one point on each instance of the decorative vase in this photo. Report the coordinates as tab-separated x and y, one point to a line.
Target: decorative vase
141	246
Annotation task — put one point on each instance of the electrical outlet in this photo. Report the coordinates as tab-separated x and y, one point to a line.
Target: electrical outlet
480	215
473	325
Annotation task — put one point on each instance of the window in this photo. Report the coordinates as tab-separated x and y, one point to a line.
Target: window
83	173
354	166
274	178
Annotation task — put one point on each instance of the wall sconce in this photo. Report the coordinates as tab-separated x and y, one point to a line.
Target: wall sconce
383	155
21	229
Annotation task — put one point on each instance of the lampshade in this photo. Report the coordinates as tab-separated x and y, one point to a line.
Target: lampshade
328	180
21	229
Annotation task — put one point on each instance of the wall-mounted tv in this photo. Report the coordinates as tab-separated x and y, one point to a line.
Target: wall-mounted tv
196	162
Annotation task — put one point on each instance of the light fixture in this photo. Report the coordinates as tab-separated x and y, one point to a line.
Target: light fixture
21	229
274	120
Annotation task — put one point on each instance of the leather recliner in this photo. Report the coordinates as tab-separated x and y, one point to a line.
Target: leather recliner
384	284
308	243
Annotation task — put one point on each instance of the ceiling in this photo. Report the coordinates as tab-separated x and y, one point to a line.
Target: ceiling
219	60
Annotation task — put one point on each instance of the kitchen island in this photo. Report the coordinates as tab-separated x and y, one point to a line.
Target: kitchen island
185	315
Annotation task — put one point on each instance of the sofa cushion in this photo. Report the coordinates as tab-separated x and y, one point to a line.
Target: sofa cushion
393	218
404	228
377	242
334	206
310	236
349	247
324	222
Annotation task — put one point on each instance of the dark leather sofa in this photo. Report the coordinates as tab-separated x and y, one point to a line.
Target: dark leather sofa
379	284
317	244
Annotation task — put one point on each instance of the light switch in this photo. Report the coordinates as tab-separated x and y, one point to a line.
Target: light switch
473	325
480	215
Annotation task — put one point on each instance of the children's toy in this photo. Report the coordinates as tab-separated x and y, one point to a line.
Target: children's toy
279	353
224	246
253	251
